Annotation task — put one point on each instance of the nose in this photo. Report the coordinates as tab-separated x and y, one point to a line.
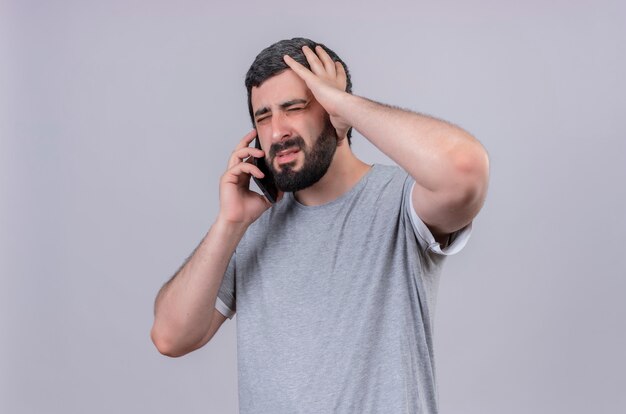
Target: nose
280	127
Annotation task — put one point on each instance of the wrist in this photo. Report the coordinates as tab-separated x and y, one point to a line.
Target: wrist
345	107
224	225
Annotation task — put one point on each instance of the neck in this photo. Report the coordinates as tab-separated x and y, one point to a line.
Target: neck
344	172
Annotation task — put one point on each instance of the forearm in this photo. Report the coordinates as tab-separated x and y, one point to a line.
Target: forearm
184	306
435	153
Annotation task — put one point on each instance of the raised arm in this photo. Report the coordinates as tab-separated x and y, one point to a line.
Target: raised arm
184	316
450	167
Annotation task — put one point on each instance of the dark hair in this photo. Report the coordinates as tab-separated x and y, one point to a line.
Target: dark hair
270	63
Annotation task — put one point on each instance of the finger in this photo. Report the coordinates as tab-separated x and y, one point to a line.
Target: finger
316	64
250	169
246	140
342	78
329	65
240	173
299	68
242	153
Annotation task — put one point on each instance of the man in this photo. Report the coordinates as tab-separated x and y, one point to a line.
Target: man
335	284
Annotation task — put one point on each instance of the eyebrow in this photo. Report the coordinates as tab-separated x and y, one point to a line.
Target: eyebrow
283	105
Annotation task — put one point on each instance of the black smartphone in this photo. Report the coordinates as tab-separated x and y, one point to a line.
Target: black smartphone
266	184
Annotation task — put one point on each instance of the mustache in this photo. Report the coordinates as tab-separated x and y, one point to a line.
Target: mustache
295	142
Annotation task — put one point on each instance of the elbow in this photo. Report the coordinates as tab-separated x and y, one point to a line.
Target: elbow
471	160
165	345
469	190
471	168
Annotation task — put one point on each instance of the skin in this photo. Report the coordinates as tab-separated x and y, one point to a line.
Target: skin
450	167
279	122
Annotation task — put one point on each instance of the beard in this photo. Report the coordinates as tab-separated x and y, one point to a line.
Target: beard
317	160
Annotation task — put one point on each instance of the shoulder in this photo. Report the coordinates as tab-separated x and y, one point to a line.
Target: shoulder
382	172
385	175
389	182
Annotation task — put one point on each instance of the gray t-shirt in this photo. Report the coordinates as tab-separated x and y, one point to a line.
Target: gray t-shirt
335	303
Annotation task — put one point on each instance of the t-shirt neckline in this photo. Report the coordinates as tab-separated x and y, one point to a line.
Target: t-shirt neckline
355	188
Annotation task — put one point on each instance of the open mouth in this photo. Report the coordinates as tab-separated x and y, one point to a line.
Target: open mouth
287	155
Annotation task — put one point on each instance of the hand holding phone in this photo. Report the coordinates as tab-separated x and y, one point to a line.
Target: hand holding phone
266	184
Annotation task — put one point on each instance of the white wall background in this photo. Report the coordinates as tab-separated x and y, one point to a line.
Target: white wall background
116	121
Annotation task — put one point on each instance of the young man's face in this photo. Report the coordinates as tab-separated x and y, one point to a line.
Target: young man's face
295	132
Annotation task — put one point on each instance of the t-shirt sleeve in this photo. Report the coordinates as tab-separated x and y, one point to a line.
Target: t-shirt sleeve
456	241
225	302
